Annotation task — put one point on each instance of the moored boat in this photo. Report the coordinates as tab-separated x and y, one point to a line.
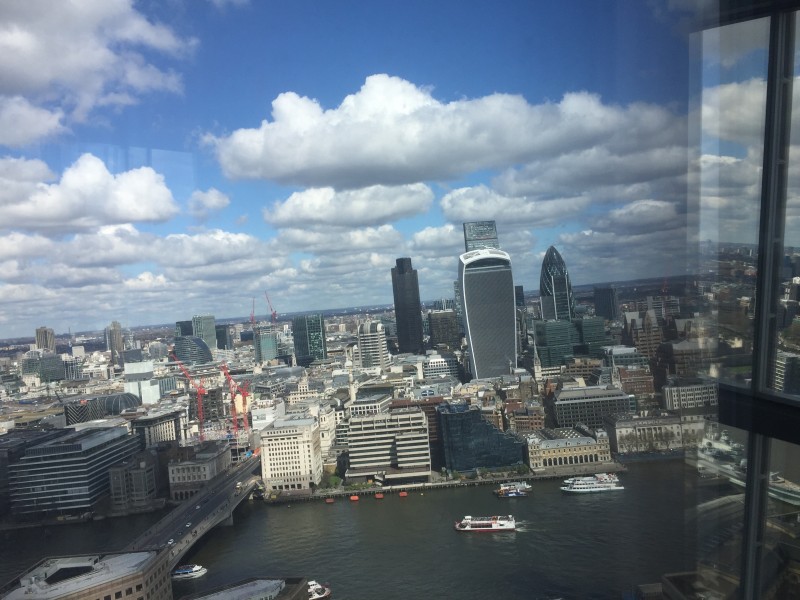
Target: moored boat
316	591
189	572
518	489
495	523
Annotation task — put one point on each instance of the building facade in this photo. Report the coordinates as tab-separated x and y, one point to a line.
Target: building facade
479	235
308	333
389	448
587	405
555	448
189	476
69	474
445	330
372	350
45	339
205	328
407	307
291	453
487	294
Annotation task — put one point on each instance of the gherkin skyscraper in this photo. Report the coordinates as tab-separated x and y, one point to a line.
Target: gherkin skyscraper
555	288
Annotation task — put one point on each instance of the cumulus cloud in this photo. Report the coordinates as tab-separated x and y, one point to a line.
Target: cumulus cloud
22	123
86	197
333	242
62	59
354	208
392	132
482	203
201	204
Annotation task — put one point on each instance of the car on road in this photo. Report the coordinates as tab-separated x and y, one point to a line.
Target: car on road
170	542
197	507
188	525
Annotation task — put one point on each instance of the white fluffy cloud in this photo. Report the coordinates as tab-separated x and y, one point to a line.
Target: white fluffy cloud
67	58
86	197
201	204
354	208
392	131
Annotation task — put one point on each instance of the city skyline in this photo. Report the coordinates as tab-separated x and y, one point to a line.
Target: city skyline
136	188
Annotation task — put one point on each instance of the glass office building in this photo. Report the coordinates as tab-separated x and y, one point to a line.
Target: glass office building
407	307
308	332
487	296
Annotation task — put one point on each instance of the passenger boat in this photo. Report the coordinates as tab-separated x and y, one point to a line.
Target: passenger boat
316	591
601	482
189	572
501	523
517	489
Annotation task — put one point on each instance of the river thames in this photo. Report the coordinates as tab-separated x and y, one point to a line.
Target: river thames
570	546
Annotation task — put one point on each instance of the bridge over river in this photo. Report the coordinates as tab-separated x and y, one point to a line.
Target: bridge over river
183	526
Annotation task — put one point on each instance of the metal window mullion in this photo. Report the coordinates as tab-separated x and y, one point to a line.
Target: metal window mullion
770	255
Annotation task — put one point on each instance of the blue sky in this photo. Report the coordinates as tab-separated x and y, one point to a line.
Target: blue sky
165	159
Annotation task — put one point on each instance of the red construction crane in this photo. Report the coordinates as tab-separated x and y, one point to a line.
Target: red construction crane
234	388
201	392
274	313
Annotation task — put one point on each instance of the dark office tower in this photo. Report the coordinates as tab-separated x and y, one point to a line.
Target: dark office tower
555	288
487	293
45	339
114	341
224	337
444	329
605	303
192	350
408	314
308	332
183	329
519	296
479	235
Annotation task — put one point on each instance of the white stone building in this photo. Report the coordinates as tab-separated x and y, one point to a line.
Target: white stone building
291	453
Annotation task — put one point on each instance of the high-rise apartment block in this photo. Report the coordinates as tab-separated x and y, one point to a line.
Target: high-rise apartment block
555	288
407	308
114	341
308	332
487	295
479	235
265	341
45	339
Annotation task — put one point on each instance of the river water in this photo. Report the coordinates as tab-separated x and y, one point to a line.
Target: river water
570	546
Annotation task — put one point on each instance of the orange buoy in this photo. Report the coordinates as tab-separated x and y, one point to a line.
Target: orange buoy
403	494
328	500
354	498
379	496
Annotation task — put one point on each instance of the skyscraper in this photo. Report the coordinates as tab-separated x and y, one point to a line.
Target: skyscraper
114	341
45	339
487	296
555	288
204	327
265	341
605	303
519	296
408	315
444	328
479	235
308	332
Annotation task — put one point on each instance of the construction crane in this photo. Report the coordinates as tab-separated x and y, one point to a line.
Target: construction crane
235	388
273	313
253	315
201	392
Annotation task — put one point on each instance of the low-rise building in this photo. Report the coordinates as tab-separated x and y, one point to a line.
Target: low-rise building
588	404
161	426
631	433
189	474
133	483
690	392
134	575
559	447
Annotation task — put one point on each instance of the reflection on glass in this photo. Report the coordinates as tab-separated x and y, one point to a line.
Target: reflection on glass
733	99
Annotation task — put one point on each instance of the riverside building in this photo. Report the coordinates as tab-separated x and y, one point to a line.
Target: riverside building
559	447
389	448
291	453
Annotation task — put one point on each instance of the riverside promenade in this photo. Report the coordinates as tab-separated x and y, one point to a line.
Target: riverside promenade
561	472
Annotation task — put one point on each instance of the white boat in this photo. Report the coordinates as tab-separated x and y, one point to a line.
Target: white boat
779	488
189	572
517	489
601	482
316	591
496	523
